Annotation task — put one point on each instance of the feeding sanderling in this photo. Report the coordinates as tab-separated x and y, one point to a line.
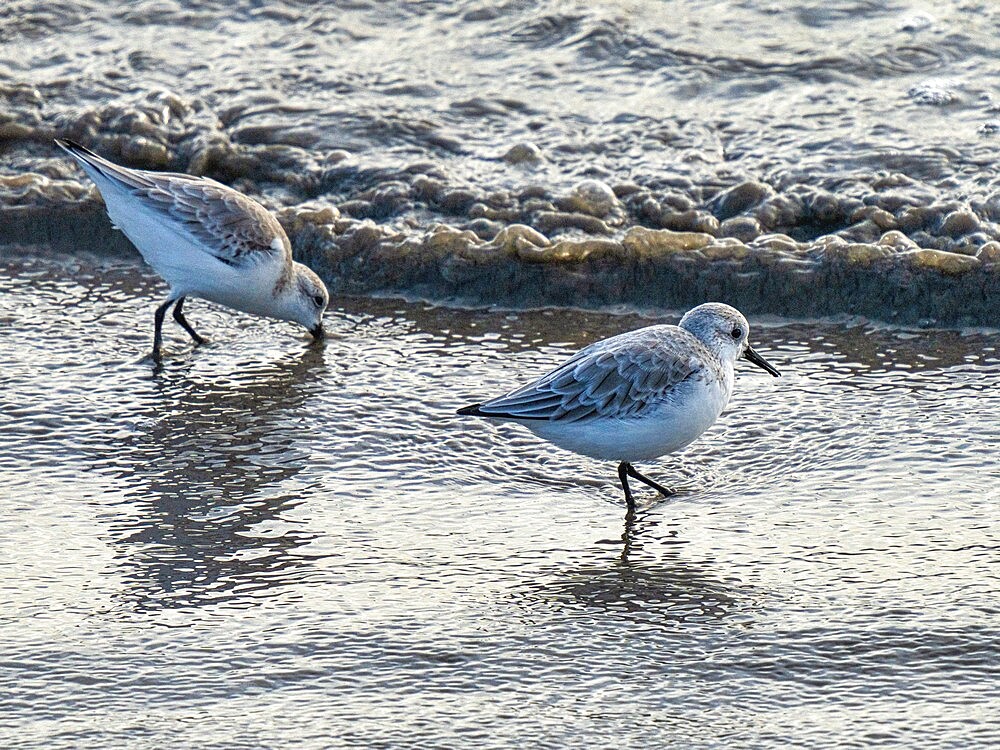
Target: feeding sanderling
206	240
638	395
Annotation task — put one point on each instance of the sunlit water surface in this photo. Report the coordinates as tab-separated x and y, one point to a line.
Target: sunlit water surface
267	543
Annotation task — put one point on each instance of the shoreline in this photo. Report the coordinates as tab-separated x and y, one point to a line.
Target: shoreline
892	280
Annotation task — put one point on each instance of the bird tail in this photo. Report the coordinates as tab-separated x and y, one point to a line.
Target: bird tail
471	411
99	169
85	156
75	149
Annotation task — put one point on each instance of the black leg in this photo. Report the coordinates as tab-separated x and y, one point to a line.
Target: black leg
179	317
630	470
623	468
158	329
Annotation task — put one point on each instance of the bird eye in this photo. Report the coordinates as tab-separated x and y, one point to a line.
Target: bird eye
737	333
318	299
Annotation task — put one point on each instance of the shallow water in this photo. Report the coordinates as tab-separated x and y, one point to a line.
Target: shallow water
268	543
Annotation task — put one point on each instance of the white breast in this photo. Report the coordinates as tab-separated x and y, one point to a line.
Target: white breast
674	424
189	269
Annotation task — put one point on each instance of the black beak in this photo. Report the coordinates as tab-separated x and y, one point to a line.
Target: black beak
317	332
758	360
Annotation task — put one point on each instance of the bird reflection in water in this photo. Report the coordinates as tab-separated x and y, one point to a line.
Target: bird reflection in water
212	472
663	589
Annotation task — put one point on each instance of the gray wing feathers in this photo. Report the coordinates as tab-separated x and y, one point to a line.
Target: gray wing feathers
621	377
229	225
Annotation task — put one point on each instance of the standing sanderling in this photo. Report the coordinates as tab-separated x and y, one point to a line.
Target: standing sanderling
638	395
209	241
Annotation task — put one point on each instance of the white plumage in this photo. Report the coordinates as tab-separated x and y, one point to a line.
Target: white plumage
206	240
638	395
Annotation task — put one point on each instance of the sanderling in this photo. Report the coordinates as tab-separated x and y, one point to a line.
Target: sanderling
638	395
206	240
